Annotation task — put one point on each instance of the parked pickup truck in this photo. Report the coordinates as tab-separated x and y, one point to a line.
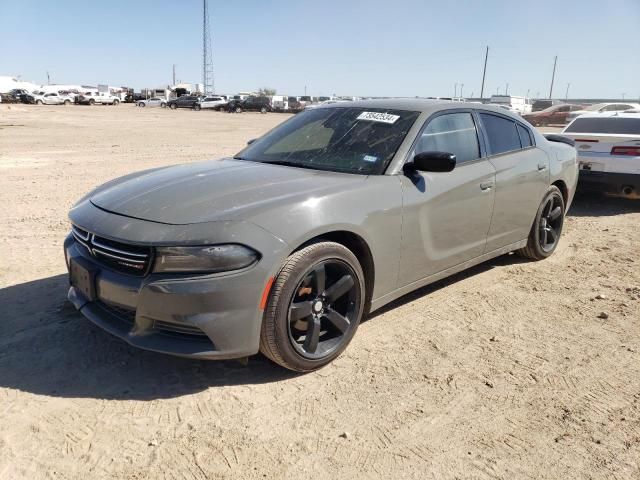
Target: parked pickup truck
91	98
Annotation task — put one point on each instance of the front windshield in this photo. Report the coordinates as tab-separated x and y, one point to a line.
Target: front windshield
351	140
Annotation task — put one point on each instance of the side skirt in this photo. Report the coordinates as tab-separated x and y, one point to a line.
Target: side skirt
390	297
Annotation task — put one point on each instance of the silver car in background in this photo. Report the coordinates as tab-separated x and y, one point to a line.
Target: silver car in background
331	215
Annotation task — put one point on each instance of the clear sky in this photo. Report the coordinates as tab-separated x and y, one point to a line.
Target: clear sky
346	47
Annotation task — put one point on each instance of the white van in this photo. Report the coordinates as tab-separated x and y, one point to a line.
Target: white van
521	105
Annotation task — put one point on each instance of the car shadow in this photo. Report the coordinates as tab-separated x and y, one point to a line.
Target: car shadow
48	348
592	204
501	261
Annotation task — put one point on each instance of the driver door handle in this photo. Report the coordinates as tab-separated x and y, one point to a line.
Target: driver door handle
486	186
542	166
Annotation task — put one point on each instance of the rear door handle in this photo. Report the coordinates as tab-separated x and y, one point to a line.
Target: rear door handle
486	185
542	166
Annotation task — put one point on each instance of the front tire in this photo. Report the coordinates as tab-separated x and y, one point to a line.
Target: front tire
67	102
116	103
173	106
314	309
263	110
547	226
238	110
197	107
38	102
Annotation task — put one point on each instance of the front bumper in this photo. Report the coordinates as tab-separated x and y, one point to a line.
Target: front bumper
204	316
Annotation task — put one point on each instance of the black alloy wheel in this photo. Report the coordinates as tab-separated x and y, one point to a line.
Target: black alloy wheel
550	224
315	305
323	309
547	226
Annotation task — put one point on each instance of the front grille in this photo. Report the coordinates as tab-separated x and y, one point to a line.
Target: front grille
129	316
122	257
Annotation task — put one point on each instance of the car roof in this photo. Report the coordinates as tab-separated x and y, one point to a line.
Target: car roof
417	105
610	114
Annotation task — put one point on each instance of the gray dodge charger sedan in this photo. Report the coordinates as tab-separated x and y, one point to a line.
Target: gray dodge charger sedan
331	215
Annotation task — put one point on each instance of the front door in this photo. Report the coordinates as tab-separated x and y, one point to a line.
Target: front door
446	215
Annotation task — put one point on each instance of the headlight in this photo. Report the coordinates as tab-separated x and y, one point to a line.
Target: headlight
210	259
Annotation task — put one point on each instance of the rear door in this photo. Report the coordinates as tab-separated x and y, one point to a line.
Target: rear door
522	178
446	215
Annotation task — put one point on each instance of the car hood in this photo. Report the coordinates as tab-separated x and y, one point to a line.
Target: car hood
216	190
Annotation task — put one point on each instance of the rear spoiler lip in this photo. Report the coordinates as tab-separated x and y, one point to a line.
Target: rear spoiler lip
552	137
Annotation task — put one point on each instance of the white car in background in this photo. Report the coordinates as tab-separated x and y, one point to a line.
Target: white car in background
214	102
52	98
608	146
602	108
152	102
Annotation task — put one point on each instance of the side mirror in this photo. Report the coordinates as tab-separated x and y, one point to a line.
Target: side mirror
433	162
251	141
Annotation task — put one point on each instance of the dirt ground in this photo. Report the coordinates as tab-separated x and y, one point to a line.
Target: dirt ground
504	371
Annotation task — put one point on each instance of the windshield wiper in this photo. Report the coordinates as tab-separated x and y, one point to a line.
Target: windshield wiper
288	163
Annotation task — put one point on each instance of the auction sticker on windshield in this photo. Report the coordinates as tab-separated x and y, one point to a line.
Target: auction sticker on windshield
378	117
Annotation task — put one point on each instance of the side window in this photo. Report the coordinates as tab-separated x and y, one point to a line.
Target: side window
525	136
564	109
453	133
502	133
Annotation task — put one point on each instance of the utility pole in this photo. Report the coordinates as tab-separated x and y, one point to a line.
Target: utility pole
566	95
305	90
174	74
506	90
484	72
48	80
498	90
623	96
528	90
455	90
461	87
553	76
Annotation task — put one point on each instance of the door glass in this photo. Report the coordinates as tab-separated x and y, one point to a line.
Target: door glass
453	133
502	133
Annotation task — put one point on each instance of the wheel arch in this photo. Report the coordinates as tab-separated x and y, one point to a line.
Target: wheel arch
563	189
358	246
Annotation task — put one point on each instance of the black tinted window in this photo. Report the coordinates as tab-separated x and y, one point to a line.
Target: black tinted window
502	133
525	136
619	125
453	133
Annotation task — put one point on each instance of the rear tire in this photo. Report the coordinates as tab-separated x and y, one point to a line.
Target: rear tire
547	227
173	106
116	103
263	110
67	102
315	306
238	110
38	102
92	102
197	107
